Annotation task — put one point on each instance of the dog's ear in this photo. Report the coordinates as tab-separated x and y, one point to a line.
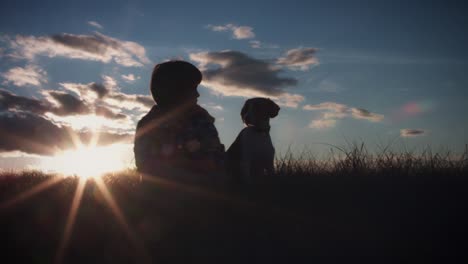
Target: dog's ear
273	108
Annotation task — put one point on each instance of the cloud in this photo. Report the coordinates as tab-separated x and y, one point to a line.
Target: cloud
130	101
96	47
33	134
243	32
331	106
106	93
100	89
55	102
68	104
408	132
233	73
130	77
332	111
213	106
238	32
95	24
256	44
31	75
93	90
12	102
360	113
300	58
322	123
108	113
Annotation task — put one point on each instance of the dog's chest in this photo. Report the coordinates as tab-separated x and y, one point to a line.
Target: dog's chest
257	143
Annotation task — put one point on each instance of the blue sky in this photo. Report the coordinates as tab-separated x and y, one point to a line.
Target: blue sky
372	71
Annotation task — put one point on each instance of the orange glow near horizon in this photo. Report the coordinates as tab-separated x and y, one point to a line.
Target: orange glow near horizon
88	161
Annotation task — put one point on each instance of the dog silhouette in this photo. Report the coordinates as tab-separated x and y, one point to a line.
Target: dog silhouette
251	155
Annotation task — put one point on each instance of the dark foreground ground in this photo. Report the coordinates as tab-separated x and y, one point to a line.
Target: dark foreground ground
314	217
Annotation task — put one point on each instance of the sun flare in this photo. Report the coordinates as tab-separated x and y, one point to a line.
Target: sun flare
88	161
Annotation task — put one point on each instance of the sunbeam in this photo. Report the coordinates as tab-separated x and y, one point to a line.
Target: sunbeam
31	192
115	209
71	220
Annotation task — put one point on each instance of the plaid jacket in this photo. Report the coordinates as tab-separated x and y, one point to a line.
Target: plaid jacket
184	139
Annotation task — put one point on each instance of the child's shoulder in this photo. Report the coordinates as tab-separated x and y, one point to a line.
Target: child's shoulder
199	113
153	113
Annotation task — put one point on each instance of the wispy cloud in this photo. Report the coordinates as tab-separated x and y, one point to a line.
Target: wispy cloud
332	111
95	24
31	75
322	123
300	58
256	44
213	106
331	106
408	132
360	113
233	73
96	47
238	32
130	77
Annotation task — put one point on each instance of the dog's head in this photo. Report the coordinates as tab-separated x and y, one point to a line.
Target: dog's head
258	110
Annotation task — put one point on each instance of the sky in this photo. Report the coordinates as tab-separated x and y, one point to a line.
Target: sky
379	72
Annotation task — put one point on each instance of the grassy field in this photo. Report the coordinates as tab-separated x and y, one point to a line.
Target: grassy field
387	205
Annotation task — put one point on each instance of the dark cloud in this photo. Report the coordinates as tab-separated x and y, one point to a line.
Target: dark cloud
129	101
106	112
233	73
108	94
30	133
92	44
238	70
100	89
145	100
13	102
96	47
69	104
65	105
408	132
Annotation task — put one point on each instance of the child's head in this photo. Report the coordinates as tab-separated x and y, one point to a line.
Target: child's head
175	82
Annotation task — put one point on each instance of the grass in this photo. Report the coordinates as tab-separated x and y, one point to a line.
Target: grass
353	204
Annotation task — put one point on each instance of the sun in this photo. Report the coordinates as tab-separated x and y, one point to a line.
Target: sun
87	161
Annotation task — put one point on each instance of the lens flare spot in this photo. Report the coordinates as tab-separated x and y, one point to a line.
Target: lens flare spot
412	109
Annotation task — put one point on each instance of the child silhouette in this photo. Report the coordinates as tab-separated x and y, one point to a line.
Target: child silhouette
177	133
